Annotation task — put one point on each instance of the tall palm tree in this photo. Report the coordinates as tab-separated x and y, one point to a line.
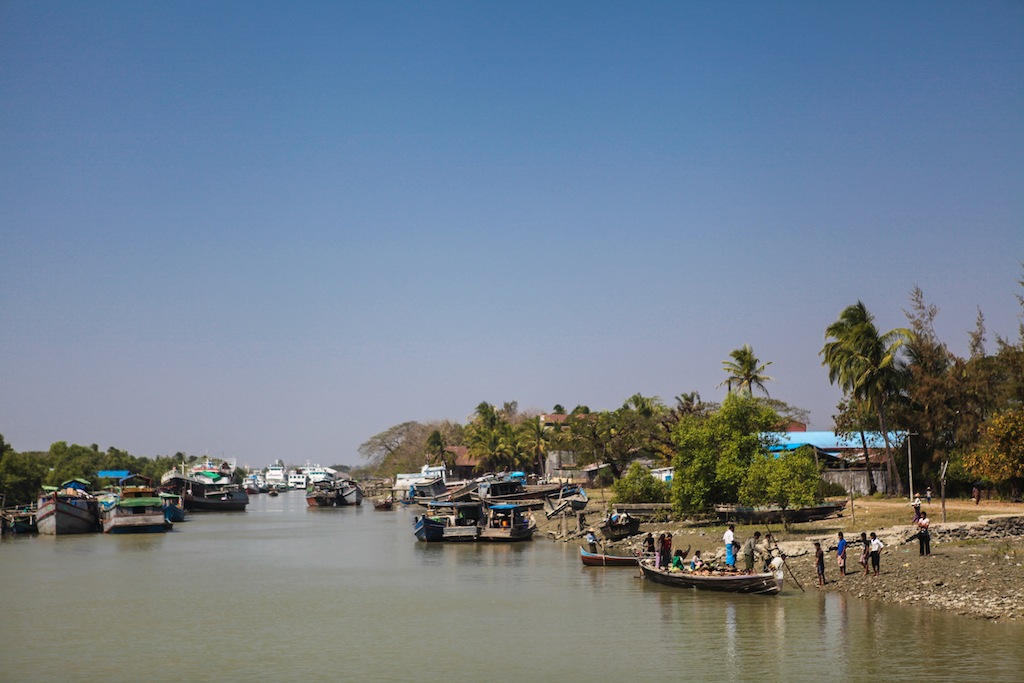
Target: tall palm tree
745	372
868	367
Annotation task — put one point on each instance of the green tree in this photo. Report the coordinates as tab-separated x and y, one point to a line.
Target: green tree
639	486
788	480
715	450
745	372
867	365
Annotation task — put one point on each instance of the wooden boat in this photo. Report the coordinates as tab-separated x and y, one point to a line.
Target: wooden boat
69	509
569	499
597	560
618	526
474	521
384	504
19	519
133	508
349	492
512	490
767	583
174	507
774	514
322	494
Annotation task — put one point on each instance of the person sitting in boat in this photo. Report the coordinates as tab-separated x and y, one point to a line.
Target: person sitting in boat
678	560
696	563
591	540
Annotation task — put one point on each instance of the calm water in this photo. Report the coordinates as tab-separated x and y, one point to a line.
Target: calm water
284	593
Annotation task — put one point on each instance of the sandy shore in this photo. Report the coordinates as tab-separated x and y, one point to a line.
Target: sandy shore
976	578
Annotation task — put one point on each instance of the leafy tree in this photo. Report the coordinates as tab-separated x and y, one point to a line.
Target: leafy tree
999	457
21	474
639	486
854	418
788	480
868	366
715	450
745	371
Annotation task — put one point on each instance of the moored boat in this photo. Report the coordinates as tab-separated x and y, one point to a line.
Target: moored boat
774	514
349	492
384	504
590	559
133	507
767	583
619	525
68	509
174	507
207	488
570	498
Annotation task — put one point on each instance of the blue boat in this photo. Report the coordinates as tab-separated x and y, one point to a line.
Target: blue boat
174	507
428	529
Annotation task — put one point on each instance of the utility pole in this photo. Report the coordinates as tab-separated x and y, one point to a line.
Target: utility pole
942	480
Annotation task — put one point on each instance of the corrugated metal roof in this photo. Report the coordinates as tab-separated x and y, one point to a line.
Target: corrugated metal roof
829	441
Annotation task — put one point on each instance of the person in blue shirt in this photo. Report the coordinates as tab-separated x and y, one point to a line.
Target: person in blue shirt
841	554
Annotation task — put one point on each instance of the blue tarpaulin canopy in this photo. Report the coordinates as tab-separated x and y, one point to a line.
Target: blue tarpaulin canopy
113	474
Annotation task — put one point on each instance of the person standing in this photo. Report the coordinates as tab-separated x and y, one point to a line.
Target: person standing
865	551
649	545
917	508
876	553
666	549
591	540
748	552
928	495
841	554
729	538
819	563
924	538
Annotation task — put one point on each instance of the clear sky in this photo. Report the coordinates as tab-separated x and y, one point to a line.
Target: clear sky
262	230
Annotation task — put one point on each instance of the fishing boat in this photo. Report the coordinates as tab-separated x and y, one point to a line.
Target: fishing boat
17	519
512	488
384	504
349	492
428	529
619	525
774	514
67	509
598	560
133	507
767	583
474	521
321	494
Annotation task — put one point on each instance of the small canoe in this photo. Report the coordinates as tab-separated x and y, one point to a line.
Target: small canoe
597	560
383	504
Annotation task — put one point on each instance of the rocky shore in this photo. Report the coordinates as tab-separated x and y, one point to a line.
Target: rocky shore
975	569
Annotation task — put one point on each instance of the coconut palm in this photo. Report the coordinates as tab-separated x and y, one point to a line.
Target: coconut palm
746	371
868	367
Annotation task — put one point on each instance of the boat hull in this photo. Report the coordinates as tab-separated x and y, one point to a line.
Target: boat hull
769	515
57	516
119	522
428	530
617	532
590	559
725	582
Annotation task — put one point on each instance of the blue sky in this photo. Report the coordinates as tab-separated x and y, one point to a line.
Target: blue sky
263	230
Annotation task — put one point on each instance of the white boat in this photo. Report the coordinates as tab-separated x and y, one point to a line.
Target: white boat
315	473
297	479
276	476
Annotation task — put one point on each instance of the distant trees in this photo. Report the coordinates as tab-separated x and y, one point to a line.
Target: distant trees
999	456
638	485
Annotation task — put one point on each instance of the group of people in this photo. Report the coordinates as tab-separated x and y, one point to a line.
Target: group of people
870	555
753	547
661	549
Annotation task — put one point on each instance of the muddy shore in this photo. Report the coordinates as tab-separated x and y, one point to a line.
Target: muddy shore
976	577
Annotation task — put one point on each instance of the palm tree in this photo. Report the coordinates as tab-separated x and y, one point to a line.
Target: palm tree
867	365
745	371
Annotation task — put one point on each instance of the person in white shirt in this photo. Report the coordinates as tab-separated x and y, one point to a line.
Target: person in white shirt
876	552
729	538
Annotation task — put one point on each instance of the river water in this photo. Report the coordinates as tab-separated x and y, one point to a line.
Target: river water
286	593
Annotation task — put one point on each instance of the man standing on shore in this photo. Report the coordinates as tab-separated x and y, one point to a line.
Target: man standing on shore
924	538
841	554
729	538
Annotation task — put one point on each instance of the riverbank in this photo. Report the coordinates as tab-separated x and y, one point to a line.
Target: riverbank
976	567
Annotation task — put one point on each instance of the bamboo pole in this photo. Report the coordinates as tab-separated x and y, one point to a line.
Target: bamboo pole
783	556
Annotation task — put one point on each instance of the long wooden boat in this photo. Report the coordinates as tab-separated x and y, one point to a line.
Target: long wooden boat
349	492
774	514
134	507
473	521
69	509
597	560
206	494
767	583
384	504
428	529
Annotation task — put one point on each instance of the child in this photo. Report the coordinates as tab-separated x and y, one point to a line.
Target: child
819	562
876	552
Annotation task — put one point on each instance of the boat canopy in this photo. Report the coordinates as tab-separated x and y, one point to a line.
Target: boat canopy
505	506
113	474
80	484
